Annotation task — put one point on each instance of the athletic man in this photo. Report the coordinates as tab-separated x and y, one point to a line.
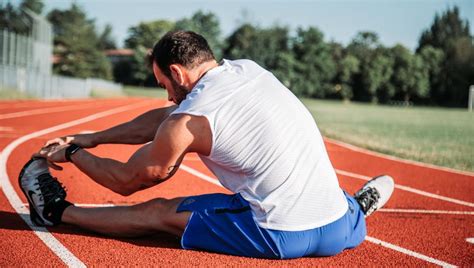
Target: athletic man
250	131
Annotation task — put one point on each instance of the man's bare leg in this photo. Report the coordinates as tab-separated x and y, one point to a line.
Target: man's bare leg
131	221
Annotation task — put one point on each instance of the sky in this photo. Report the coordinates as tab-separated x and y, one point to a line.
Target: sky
395	21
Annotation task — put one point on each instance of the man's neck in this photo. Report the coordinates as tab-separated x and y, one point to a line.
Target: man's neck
197	73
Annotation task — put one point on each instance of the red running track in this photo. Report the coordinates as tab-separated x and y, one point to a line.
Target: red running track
428	221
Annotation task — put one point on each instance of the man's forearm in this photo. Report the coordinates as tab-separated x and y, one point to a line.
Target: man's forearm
104	171
140	130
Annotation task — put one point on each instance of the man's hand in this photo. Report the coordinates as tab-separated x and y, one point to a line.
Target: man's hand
83	140
54	153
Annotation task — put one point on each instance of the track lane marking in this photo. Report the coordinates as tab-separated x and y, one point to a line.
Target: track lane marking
46	110
368	238
408	252
397	159
55	245
425	211
409	189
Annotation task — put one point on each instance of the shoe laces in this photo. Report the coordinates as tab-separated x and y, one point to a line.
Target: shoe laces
368	199
51	188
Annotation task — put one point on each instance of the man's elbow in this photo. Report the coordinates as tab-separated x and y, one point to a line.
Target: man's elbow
123	185
124	190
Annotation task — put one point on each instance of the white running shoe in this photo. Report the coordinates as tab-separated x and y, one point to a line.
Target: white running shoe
375	193
44	193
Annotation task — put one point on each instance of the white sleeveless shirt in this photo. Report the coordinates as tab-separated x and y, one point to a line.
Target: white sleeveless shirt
267	147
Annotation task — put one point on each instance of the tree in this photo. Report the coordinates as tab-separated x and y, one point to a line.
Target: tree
206	24
141	38
347	66
376	76
33	5
13	20
106	40
451	34
146	34
315	67
445	28
410	75
242	43
76	42
433	59
372	80
268	47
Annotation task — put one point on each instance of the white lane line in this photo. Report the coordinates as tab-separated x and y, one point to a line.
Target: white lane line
16	104
408	252
368	238
409	189
424	211
200	175
470	240
59	249
394	158
46	110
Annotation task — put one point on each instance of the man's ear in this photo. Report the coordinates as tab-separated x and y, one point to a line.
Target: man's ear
177	73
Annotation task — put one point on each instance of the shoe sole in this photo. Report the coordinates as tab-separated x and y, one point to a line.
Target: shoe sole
34	216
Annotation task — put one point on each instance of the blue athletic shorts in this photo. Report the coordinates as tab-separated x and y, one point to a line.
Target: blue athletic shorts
224	224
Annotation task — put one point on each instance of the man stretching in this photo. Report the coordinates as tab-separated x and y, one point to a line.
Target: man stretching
249	130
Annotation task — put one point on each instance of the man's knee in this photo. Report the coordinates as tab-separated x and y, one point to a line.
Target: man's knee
161	213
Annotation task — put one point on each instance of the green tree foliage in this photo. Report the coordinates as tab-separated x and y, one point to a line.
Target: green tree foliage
141	39
347	66
445	28
106	40
268	47
433	59
33	5
315	67
372	80
410	75
13	19
242	43
76	42
206	24
146	34
451	34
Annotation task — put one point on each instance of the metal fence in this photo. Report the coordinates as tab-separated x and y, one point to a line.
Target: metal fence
25	51
26	65
47	86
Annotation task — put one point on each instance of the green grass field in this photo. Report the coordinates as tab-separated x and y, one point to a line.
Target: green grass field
439	136
145	92
11	94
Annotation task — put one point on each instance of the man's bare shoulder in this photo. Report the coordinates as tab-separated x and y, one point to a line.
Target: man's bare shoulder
190	129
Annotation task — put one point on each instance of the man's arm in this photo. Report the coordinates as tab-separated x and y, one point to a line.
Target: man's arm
140	130
153	163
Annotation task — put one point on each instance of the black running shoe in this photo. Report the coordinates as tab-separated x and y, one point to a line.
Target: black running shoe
375	193
46	196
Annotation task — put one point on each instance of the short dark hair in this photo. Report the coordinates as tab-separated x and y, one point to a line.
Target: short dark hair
180	47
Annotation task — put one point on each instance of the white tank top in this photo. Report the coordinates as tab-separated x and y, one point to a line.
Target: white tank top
267	147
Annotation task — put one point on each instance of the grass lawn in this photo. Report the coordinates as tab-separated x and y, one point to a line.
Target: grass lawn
11	94
439	136
145	92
